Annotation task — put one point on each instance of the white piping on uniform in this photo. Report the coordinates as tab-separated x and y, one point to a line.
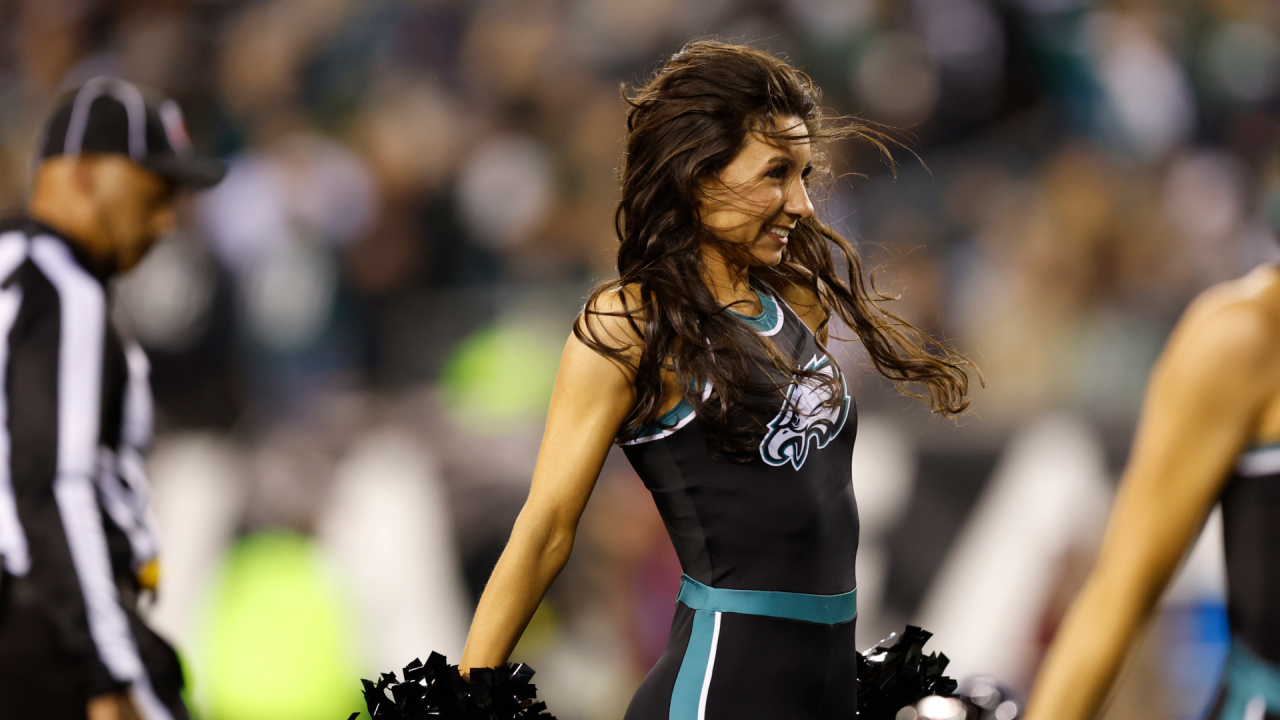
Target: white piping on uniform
706	393
1256	463
665	431
711	664
1256	709
777	306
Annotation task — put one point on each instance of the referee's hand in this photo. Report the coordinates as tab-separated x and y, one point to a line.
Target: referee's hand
113	706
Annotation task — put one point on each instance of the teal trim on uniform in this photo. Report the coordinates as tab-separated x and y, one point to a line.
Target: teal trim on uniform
673	416
821	609
687	693
767	320
1249	677
708	602
670	421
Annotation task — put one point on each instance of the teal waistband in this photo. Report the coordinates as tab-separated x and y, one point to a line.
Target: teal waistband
1250	681
821	609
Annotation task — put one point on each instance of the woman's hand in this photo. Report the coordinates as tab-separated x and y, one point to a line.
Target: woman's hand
593	396
1203	406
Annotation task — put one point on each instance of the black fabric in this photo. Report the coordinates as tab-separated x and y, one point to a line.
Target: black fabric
753	526
40	680
653	698
51	589
758	526
1251	536
107	131
768	668
765	669
164	669
31	391
115	377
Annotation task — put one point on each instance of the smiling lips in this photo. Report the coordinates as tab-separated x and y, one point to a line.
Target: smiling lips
777	232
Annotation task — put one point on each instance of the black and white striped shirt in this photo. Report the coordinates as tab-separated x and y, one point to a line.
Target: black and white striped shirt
75	416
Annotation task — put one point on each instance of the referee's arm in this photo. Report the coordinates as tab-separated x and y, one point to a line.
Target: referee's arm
53	394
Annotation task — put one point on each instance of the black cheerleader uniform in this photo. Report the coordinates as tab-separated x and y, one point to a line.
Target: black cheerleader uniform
764	624
1250	507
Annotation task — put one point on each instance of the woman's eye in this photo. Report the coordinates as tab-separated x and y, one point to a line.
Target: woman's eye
777	172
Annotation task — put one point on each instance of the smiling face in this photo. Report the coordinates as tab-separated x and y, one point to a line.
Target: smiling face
760	196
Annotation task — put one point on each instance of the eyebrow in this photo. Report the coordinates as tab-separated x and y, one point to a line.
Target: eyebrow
785	159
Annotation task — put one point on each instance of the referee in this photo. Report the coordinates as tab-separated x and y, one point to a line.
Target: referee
75	415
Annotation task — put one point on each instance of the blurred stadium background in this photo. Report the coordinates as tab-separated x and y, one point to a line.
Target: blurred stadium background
353	338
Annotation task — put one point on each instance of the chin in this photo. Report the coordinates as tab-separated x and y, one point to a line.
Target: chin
769	259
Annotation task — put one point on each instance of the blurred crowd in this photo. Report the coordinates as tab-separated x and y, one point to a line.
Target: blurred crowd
353	338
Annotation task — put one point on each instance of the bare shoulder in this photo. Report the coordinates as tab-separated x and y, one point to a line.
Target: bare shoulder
614	319
1234	325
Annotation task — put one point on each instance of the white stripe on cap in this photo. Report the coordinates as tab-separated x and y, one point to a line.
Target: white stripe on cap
89	92
134	106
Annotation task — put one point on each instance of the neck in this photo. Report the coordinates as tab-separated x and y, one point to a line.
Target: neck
728	282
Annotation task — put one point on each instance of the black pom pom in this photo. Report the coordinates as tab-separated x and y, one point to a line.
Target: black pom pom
893	676
436	691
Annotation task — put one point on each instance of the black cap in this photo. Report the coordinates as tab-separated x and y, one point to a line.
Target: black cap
107	115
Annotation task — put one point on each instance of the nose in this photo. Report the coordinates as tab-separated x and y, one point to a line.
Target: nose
797	203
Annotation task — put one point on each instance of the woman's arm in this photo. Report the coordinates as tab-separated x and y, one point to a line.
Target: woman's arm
592	397
1202	406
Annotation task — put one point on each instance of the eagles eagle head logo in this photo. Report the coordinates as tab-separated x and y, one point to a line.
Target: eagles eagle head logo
805	418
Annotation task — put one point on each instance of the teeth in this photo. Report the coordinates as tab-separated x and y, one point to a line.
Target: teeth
779	231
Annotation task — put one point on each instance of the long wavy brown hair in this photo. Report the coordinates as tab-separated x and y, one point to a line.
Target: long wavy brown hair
683	127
